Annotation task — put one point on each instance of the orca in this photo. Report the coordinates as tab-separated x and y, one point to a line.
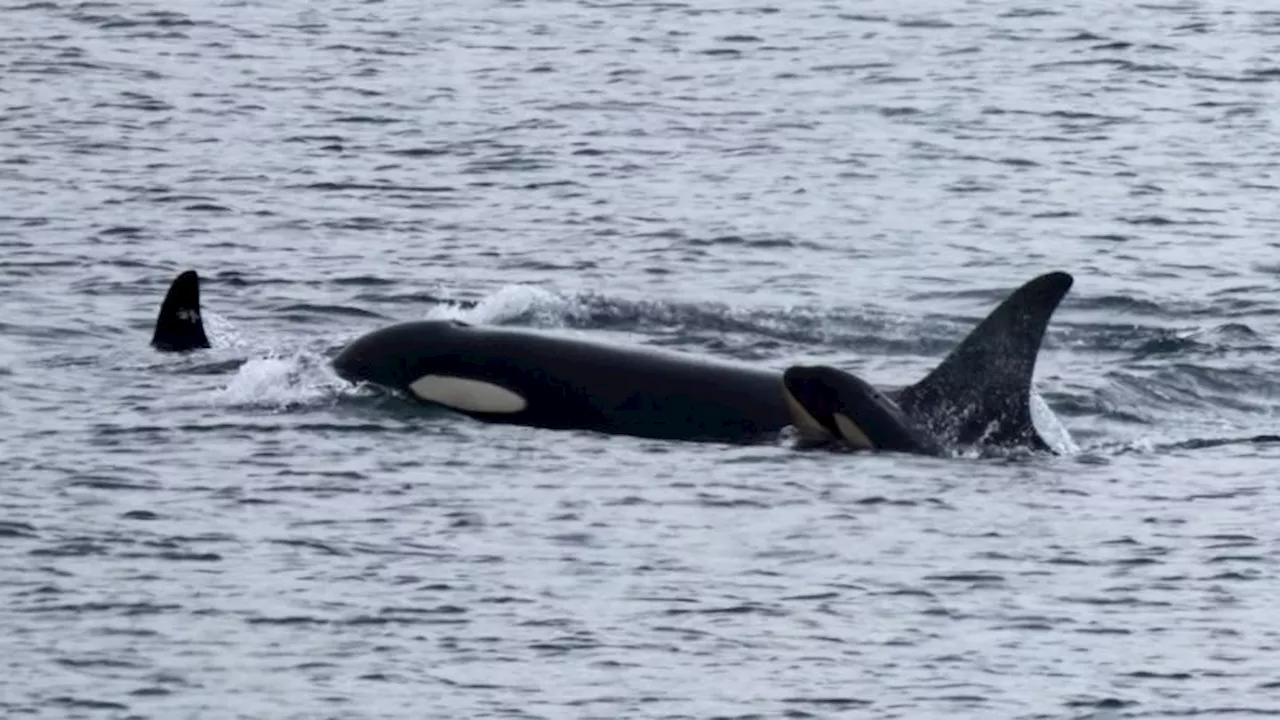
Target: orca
179	327
540	379
978	395
830	406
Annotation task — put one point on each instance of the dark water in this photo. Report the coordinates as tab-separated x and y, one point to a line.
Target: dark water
855	183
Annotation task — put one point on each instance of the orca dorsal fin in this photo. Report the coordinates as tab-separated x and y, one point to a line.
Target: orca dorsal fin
981	392
179	327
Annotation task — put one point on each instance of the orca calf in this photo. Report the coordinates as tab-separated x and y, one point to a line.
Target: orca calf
830	406
979	395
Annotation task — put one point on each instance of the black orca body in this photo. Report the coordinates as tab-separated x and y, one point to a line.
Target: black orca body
564	383
978	395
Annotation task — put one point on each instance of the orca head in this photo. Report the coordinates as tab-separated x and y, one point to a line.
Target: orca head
431	360
179	327
825	401
393	357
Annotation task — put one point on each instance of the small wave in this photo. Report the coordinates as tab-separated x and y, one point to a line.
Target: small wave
1147	446
280	382
216	367
1201	443
753	241
707	324
513	303
1170	342
307	309
75	703
221	332
1119	304
363	281
385	187
1148	341
1201	387
416	152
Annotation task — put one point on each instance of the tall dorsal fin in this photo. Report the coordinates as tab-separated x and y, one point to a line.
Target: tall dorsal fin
980	393
179	327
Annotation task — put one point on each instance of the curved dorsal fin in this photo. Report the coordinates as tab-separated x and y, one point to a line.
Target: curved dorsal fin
179	327
981	392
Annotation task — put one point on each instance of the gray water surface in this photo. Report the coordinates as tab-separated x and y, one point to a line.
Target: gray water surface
237	534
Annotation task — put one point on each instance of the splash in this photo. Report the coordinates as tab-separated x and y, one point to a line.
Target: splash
280	382
222	333
512	303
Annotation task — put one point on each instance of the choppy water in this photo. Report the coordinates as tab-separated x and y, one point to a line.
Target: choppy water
238	535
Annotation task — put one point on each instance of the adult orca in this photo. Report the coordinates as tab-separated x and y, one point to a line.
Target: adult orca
979	395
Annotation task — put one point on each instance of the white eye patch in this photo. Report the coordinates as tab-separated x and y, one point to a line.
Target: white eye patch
467	395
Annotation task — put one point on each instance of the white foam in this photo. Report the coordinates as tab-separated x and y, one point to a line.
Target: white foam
278	382
221	333
510	303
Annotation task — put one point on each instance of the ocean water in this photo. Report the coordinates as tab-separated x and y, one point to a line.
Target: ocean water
237	534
